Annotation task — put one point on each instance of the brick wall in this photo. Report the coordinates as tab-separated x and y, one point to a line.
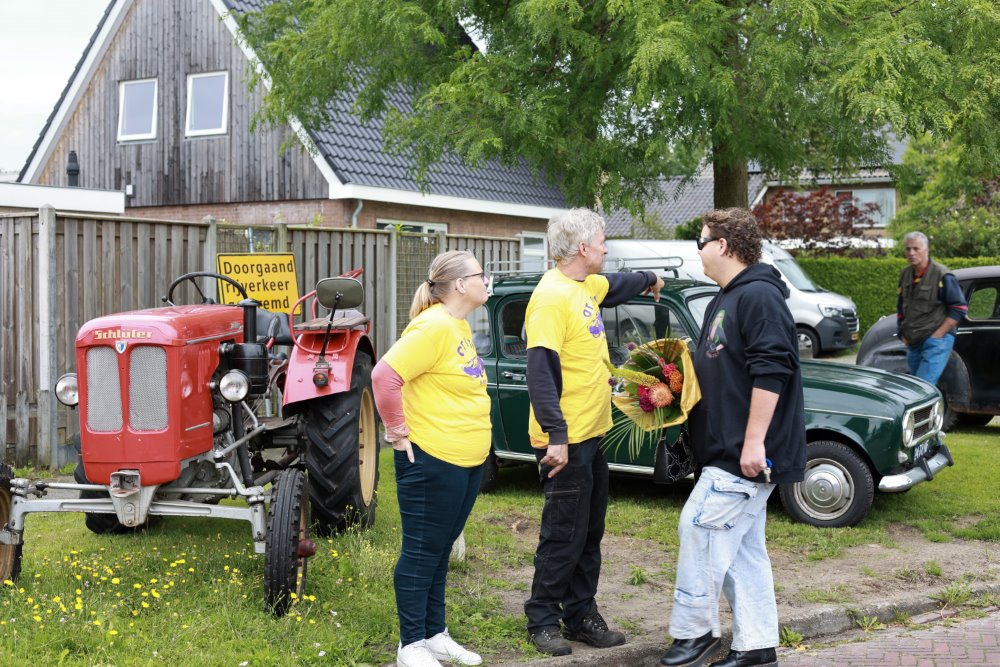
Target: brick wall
338	212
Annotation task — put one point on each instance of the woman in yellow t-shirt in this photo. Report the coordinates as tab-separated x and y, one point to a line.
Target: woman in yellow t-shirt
430	389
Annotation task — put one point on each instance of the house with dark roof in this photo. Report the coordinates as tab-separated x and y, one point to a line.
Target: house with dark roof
158	108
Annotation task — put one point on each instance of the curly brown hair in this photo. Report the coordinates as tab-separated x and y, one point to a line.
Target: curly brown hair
738	227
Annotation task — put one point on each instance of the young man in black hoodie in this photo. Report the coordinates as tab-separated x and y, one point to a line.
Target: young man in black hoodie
748	434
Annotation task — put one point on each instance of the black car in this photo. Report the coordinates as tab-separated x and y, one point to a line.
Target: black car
971	380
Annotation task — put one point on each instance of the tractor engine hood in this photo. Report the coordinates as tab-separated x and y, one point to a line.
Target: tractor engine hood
171	326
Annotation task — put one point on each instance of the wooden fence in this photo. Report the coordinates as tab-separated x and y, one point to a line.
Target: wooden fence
60	270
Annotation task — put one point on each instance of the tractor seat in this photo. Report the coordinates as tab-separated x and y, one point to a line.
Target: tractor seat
342	319
273	324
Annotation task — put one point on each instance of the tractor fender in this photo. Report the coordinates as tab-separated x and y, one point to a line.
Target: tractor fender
299	385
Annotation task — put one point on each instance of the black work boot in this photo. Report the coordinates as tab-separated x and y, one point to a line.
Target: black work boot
762	657
594	631
691	652
548	640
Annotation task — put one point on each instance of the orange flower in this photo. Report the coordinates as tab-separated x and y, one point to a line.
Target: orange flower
676	381
660	395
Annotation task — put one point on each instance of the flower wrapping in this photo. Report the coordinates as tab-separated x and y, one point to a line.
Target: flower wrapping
655	389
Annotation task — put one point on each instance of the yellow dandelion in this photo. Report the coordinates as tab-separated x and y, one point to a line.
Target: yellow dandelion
38	619
112	632
8	582
155	594
145	605
116	581
97	621
136	586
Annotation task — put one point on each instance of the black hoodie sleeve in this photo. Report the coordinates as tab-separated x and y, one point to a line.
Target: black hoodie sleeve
544	391
624	286
771	353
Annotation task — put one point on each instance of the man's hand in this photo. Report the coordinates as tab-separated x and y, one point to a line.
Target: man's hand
556	457
655	288
752	459
403	445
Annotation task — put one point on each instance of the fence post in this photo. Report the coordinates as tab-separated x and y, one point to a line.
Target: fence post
442	242
46	341
393	280
282	233
210	249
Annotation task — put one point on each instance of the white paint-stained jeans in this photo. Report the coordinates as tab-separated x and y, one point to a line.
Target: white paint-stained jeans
722	550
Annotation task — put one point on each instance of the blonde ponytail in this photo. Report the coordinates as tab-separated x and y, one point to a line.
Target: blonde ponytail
444	270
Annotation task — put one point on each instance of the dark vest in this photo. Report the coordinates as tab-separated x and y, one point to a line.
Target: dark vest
923	310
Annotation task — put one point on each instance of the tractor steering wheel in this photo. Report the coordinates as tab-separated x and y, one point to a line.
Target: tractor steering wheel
169	298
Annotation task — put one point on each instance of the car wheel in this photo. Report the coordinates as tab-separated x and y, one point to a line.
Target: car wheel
837	489
950	419
491	469
808	343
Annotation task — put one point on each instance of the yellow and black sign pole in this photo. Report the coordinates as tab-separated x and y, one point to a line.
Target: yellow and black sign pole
268	277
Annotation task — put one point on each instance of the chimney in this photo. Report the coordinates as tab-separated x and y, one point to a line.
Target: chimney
73	170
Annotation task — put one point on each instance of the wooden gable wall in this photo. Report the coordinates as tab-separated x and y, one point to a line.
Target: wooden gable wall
167	40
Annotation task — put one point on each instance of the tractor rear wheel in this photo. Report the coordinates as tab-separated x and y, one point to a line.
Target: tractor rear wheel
10	554
342	454
288	545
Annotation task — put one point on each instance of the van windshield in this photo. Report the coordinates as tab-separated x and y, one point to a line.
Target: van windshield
796	276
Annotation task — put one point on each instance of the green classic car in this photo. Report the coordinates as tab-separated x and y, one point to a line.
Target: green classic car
865	428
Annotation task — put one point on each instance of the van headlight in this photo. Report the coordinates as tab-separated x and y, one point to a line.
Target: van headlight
831	311
234	386
909	422
67	390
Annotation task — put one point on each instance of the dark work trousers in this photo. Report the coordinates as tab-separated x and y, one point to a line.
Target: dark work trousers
435	499
568	558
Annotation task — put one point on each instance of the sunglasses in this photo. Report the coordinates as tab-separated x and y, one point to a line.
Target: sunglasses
703	241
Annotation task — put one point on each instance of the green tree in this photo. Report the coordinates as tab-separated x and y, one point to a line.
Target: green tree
950	198
605	94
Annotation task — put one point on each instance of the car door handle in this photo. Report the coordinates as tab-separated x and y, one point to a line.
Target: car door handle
507	375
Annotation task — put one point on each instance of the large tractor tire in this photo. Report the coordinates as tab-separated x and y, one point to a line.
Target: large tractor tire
342	455
10	554
288	545
97	522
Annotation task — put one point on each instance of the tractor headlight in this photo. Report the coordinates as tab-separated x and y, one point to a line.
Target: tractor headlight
234	386
67	390
909	422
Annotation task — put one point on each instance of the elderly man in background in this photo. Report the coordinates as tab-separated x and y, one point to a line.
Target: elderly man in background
929	307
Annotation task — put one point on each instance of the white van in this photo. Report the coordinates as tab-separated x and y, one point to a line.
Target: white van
825	321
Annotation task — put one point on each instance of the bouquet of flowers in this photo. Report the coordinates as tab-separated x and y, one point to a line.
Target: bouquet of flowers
654	389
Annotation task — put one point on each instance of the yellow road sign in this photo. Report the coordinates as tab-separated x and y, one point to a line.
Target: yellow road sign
269	277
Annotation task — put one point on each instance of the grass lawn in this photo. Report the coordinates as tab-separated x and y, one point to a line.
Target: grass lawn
189	591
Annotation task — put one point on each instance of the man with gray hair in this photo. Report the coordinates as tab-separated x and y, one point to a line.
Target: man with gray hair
570	414
929	307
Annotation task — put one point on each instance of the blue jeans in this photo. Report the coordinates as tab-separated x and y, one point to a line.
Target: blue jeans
435	499
568	558
928	359
722	550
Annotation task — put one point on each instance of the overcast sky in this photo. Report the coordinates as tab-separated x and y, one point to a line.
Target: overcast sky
40	44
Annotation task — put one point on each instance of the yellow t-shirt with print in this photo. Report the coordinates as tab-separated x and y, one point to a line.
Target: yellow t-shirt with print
445	403
564	315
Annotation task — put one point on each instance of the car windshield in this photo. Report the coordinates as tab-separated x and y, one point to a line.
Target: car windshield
796	276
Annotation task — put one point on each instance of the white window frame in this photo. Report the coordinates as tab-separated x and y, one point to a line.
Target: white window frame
121	110
224	127
418	227
543	256
883	217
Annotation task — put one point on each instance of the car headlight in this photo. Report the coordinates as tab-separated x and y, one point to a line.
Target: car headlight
937	415
909	421
831	311
234	386
67	390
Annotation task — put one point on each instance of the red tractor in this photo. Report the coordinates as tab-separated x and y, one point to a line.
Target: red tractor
185	405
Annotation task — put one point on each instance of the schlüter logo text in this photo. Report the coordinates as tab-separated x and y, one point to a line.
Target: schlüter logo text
114	334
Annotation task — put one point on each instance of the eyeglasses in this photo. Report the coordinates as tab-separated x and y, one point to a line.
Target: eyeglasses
482	274
703	241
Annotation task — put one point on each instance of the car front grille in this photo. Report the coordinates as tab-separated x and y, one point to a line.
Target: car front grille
147	384
852	319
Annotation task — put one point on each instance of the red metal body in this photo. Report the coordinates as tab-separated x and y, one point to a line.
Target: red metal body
340	352
190	337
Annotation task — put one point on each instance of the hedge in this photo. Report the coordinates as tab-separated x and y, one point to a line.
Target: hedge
871	283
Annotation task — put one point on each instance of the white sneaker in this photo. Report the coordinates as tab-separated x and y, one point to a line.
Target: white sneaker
415	655
443	647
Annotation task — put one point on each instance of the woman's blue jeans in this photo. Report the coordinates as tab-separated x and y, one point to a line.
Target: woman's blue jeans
435	499
723	551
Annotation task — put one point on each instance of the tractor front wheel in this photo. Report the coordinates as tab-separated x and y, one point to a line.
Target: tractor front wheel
342	454
10	554
288	545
